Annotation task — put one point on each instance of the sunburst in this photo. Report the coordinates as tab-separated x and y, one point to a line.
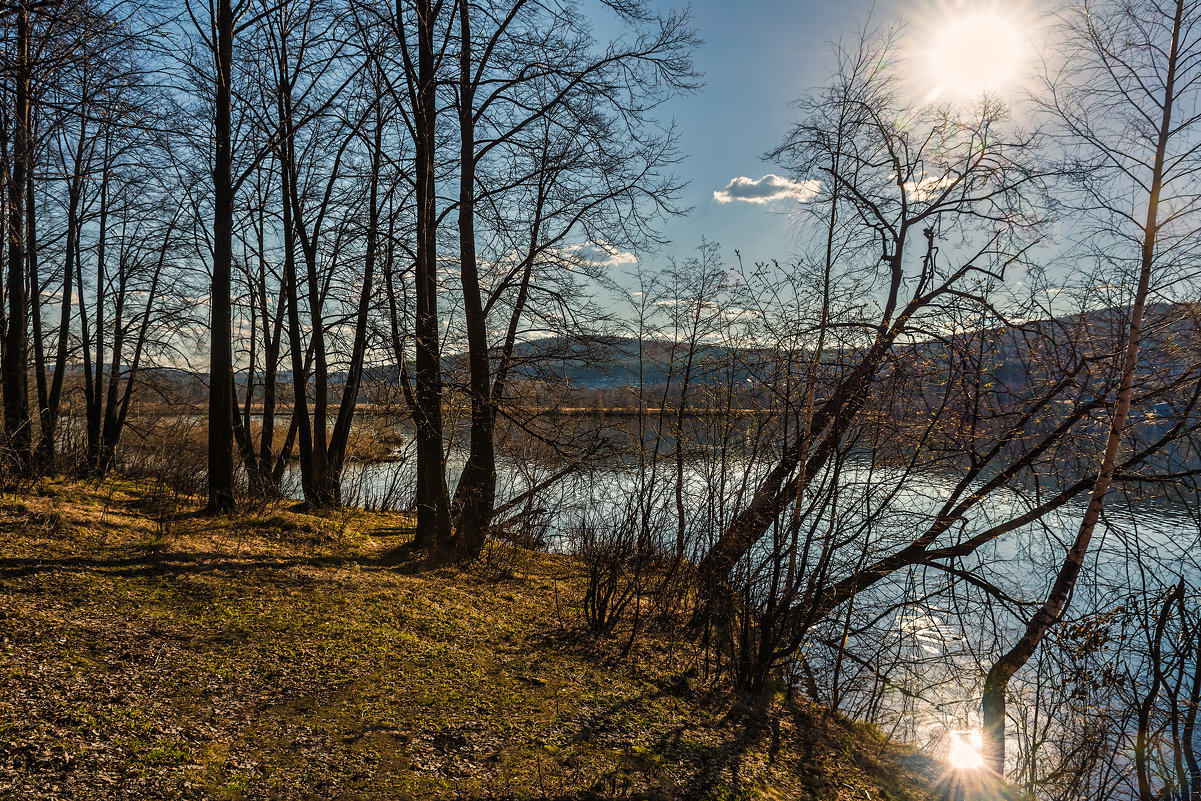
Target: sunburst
968	50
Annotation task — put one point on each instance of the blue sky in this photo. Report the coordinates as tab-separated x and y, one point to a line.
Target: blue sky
758	56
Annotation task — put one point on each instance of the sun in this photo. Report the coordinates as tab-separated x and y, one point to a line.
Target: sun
964	751
970	50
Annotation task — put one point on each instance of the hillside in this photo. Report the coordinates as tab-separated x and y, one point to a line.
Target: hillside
148	653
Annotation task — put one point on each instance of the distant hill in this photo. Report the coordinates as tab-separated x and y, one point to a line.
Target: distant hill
610	362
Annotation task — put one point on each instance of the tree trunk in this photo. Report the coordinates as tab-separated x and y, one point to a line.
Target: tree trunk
108	431
433	504
272	336
323	491
46	443
476	492
35	306
300	405
94	389
996	682
336	456
824	430
16	339
221	410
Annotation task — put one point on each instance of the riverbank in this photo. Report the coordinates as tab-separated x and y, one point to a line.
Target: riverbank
146	652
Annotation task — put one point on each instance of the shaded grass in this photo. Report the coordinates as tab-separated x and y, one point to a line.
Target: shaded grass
280	655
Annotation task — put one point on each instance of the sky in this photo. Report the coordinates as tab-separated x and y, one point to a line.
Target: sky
758	56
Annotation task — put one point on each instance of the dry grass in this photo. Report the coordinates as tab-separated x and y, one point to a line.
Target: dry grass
150	653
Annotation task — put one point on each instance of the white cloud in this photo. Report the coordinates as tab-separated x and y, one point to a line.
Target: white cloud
602	253
927	188
767	189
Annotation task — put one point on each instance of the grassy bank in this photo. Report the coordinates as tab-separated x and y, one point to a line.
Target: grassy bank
145	654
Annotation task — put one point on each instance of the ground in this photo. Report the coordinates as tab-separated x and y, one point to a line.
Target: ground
149	652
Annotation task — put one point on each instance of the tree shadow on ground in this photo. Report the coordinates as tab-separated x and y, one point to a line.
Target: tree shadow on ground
147	561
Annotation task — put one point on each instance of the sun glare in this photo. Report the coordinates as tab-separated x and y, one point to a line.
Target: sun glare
974	50
964	753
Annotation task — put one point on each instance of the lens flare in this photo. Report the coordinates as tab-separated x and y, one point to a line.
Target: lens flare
964	753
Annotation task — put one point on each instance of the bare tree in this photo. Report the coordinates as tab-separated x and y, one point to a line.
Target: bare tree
235	154
905	178
539	111
221	368
76	66
1128	97
19	71
412	64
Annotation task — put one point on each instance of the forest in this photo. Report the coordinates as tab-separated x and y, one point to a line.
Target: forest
359	319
